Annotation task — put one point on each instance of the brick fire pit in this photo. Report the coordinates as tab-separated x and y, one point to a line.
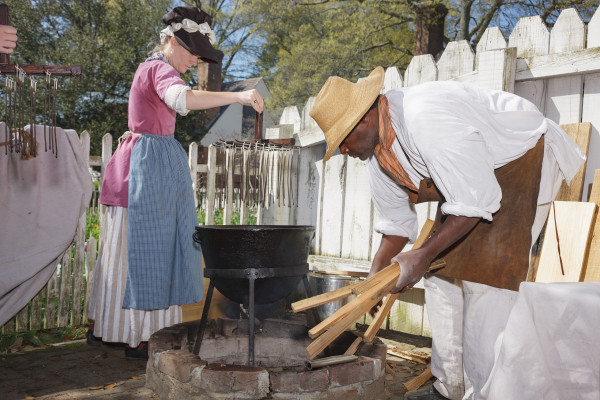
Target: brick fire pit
220	372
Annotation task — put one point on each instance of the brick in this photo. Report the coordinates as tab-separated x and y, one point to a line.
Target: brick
223	378
347	394
278	328
168	338
233	327
179	364
348	373
375	390
374	350
308	381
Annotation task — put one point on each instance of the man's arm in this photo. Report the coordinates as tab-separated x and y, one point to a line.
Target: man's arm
390	246
415	263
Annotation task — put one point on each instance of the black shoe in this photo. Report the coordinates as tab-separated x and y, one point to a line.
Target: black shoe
137	353
428	393
91	339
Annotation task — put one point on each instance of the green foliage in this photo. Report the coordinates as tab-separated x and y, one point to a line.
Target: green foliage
218	217
305	44
40	338
92	224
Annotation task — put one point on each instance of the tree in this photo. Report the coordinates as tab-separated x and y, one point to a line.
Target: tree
304	42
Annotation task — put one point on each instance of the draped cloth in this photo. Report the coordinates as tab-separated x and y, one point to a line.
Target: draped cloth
384	152
41	201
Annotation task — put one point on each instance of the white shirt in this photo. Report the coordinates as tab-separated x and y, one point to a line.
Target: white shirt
457	135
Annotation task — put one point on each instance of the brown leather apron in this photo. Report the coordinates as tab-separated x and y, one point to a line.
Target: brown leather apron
497	253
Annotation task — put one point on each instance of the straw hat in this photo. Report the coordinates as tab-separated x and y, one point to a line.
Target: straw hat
340	104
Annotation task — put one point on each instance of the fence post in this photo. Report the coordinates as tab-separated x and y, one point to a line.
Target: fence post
211	166
106	152
244	190
421	69
229	167
193	165
90	263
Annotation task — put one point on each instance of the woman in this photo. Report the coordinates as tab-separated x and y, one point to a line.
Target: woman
148	263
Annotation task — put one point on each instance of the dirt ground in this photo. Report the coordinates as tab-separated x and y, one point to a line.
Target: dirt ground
76	370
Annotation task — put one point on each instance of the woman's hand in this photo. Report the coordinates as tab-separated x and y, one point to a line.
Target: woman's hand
253	98
8	39
413	265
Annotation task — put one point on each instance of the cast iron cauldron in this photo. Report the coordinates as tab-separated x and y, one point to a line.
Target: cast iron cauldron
255	246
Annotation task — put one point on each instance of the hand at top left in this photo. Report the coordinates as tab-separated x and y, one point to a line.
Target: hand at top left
253	98
8	39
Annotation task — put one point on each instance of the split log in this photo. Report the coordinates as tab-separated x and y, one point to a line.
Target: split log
354	346
419	380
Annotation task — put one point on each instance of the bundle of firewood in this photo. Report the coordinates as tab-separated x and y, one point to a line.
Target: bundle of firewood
369	293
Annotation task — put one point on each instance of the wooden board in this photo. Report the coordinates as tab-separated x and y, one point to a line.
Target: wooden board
591	270
574	221
591	105
332	205
580	133
356	235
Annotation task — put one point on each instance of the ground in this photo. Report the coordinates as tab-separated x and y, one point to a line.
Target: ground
76	370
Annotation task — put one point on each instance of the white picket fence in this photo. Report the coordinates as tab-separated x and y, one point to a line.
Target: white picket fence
559	71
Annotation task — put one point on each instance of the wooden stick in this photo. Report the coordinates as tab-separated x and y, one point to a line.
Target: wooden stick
408	356
381	276
323	298
363	286
389	301
367	301
419	380
356	288
355	274
424	234
380	317
354	346
389	370
336	316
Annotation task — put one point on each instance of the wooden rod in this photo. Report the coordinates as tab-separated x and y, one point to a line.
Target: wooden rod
380	317
323	298
354	346
55	70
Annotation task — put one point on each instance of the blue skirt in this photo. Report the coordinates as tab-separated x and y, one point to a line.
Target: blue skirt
164	262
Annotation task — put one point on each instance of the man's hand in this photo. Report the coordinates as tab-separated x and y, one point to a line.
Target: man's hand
413	265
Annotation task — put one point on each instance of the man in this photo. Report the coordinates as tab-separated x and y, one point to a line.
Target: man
457	136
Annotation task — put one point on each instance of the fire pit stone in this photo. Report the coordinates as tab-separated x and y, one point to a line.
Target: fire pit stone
173	372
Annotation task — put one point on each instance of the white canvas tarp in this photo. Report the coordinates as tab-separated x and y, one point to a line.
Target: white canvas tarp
41	200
